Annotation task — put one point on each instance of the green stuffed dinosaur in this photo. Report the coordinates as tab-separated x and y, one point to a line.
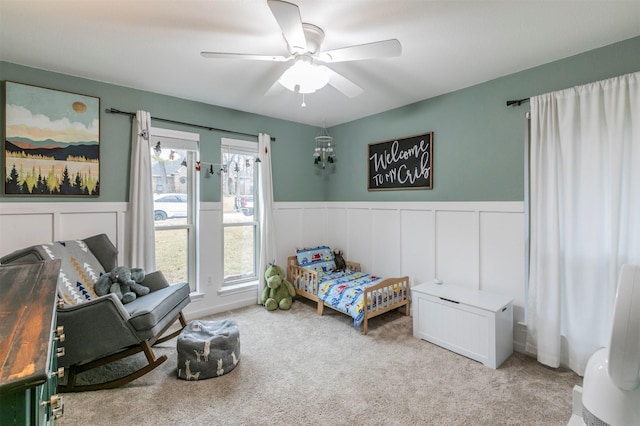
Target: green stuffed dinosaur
278	293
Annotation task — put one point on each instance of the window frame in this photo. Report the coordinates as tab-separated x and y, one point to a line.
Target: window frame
243	147
190	142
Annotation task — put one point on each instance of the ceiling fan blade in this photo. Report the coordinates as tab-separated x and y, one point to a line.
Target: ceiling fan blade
290	22
377	49
344	85
222	55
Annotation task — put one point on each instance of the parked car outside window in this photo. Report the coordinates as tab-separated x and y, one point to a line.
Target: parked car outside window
167	206
244	204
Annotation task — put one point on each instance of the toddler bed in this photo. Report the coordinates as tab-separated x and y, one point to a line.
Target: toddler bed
352	292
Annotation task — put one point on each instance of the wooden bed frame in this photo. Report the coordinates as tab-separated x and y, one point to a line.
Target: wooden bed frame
305	282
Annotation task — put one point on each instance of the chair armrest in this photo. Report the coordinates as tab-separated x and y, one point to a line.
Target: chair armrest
155	281
26	255
94	329
94	307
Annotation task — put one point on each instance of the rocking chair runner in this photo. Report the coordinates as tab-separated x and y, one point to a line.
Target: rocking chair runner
101	329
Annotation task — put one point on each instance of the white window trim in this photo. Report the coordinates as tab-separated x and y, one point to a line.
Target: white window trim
175	134
188	141
237	286
240	145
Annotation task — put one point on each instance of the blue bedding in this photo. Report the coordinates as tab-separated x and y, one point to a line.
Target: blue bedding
344	291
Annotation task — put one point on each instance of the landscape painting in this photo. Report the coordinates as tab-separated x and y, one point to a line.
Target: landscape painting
51	142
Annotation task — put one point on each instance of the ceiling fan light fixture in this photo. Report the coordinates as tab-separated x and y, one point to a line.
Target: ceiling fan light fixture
306	75
304	44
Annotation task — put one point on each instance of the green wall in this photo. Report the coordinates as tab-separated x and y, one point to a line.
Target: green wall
293	140
478	140
478	149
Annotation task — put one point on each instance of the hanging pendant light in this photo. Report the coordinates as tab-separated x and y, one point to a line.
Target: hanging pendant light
323	152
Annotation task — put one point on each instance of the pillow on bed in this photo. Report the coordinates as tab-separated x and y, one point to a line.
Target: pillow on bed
318	258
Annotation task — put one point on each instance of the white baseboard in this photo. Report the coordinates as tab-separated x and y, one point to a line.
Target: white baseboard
577	400
576	410
192	312
520	338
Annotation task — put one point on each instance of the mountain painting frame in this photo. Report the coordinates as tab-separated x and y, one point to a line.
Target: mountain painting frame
51	142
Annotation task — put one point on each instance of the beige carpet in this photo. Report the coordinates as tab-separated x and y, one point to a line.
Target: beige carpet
297	368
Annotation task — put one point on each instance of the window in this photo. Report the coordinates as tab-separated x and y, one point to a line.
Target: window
175	203
240	225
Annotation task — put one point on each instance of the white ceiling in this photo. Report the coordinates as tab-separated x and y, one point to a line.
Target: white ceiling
447	45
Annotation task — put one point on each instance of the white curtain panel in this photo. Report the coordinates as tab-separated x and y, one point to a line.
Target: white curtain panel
141	236
265	210
584	215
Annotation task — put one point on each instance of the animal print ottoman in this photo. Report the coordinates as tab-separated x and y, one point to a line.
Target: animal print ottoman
208	349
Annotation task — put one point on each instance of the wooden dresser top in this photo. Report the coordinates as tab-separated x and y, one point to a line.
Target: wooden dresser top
28	299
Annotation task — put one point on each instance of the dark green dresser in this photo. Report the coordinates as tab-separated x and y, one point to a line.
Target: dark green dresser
28	344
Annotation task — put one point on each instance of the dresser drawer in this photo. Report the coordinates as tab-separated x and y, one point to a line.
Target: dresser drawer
28	347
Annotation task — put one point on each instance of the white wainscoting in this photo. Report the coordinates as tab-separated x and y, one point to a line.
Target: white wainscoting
474	244
26	224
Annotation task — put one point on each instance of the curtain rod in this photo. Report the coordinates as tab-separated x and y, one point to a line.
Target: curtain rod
133	114
517	102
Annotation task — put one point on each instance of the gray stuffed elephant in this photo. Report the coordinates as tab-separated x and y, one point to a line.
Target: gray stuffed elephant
124	282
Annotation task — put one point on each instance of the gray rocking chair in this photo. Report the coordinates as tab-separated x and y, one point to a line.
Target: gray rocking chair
100	330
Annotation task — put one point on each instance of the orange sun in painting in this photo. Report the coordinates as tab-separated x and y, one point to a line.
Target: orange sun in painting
79	107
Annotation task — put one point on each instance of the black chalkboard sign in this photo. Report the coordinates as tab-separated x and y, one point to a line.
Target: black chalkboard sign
405	163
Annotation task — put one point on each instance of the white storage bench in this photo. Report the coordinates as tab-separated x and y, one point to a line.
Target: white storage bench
473	323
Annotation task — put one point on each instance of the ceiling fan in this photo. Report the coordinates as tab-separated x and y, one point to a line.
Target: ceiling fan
307	74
